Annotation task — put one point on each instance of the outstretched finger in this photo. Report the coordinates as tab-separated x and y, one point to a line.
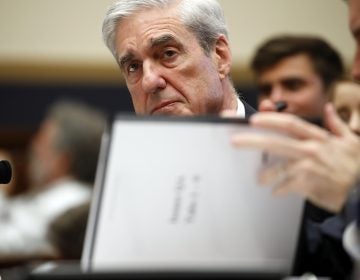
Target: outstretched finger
277	145
289	124
273	175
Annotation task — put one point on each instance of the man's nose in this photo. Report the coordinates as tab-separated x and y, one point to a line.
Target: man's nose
266	105
277	94
152	80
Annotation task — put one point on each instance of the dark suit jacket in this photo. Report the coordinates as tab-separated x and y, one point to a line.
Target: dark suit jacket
320	248
248	109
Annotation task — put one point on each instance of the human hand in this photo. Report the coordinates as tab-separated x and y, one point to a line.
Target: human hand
266	106
321	166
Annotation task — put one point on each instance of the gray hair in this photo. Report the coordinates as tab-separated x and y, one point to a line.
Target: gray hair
204	18
80	128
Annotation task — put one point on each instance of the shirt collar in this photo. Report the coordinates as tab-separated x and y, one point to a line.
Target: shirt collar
240	111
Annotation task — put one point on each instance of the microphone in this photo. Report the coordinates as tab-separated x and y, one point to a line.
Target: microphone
5	172
280	106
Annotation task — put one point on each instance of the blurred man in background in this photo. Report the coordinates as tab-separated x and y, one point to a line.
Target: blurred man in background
345	95
62	165
294	74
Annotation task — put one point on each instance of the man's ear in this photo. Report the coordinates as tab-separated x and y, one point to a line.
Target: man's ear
222	56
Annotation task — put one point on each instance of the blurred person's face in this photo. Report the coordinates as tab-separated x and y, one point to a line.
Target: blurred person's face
293	81
354	10
44	158
165	68
346	99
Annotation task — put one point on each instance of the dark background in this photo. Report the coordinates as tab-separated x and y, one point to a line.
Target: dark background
22	107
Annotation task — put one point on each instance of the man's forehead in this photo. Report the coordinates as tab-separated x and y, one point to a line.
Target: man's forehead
144	32
348	86
288	69
283	79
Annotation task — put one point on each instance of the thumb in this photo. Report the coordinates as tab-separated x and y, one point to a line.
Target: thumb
266	106
333	122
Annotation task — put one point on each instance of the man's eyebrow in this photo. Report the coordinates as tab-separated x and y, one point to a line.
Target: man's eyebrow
291	79
162	40
125	59
154	42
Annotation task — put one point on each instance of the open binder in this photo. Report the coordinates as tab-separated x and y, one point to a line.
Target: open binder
174	198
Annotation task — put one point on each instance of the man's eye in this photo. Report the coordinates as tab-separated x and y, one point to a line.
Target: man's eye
169	54
294	84
132	67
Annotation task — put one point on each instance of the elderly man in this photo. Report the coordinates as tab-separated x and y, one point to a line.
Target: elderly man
62	163
174	59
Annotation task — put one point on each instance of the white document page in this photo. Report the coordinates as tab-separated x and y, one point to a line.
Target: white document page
177	195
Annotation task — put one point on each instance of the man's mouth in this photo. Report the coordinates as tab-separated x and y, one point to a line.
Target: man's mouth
163	107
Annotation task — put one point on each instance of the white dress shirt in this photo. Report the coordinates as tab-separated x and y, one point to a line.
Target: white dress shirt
24	220
240	111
